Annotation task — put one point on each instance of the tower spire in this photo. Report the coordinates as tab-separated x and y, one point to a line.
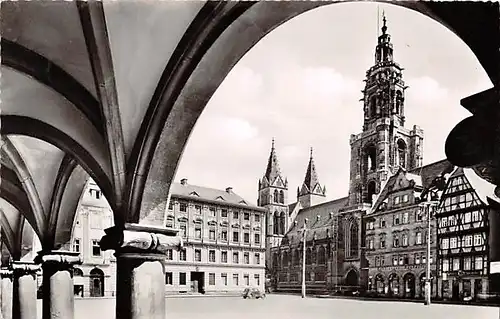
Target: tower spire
384	20
273	169
311	191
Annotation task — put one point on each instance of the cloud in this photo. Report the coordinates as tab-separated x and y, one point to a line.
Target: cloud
426	90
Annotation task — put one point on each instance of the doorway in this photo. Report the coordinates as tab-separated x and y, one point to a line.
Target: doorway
198	281
96	283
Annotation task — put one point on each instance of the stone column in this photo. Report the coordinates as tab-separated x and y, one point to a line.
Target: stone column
7	297
57	286
140	256
24	290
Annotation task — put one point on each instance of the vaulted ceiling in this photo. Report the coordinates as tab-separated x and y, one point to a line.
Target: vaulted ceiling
112	90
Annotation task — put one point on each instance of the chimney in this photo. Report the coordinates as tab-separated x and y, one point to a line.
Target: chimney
229	190
184	181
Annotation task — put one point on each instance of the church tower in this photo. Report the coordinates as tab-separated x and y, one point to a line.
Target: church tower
273	195
311	193
385	144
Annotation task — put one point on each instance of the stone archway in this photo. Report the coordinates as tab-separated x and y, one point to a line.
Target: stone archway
409	285
96	283
352	278
393	285
379	285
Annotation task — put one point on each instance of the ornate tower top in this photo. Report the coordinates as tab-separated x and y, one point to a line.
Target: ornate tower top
273	168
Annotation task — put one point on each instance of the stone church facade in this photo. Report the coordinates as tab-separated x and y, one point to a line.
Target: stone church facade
336	258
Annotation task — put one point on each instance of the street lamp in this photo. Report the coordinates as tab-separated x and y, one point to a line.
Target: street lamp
304	232
430	200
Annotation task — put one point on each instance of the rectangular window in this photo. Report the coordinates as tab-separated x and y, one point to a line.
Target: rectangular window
478	263
212	211
236	215
456	263
169	254
211	256
182	278
223	235
418	240
246	279
211	279
370	243
467	263
246	258
235	258
223	278
182	255
382	223
406	218
257	239
405	198
197	255
401	260
197	232
183	227
418	216
76	245
476	216
170	205
197	209
417	259
168	278
468	241
257	280
223	213
405	240
396	200
445	243
236	279
246	216
478	240
257	218
96	249
453	242
236	236
446	265
257	259
183	207
223	257
382	243
467	217
396	220
395	242
395	261
211	234
444	222
246	238
424	259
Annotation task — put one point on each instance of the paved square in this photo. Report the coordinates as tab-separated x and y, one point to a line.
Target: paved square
289	307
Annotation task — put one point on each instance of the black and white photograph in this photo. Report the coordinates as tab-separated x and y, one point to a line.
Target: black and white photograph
189	159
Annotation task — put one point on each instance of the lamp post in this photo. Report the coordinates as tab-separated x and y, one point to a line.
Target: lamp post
304	232
430	199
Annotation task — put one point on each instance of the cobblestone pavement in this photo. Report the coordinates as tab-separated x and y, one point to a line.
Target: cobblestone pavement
289	307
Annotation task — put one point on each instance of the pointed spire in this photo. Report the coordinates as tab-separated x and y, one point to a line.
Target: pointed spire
384	26
311	179
273	169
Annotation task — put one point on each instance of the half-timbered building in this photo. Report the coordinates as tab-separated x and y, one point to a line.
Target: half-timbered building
463	234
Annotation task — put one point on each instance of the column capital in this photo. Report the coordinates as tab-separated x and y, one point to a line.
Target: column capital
25	268
5	272
68	258
135	238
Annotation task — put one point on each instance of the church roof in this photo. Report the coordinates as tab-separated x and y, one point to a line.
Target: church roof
273	169
208	194
319	219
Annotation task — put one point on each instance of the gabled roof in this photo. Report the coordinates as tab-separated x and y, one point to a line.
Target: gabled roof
206	193
316	224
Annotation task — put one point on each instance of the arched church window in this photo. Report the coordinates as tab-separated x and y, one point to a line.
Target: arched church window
399	102
276	196
276	223
401	153
371	191
373	106
353	239
282	197
282	223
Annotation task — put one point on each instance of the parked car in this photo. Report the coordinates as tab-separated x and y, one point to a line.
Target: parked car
252	293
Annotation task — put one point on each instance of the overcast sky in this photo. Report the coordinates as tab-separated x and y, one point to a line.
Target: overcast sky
302	83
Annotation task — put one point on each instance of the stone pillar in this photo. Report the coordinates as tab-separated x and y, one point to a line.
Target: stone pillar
140	261
7	289
57	286
24	290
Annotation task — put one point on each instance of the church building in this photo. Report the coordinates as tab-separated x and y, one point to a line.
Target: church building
344	251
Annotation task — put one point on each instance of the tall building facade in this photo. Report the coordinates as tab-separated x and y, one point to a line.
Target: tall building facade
224	244
95	277
464	238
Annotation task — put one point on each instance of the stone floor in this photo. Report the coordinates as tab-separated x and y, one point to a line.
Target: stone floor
289	307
